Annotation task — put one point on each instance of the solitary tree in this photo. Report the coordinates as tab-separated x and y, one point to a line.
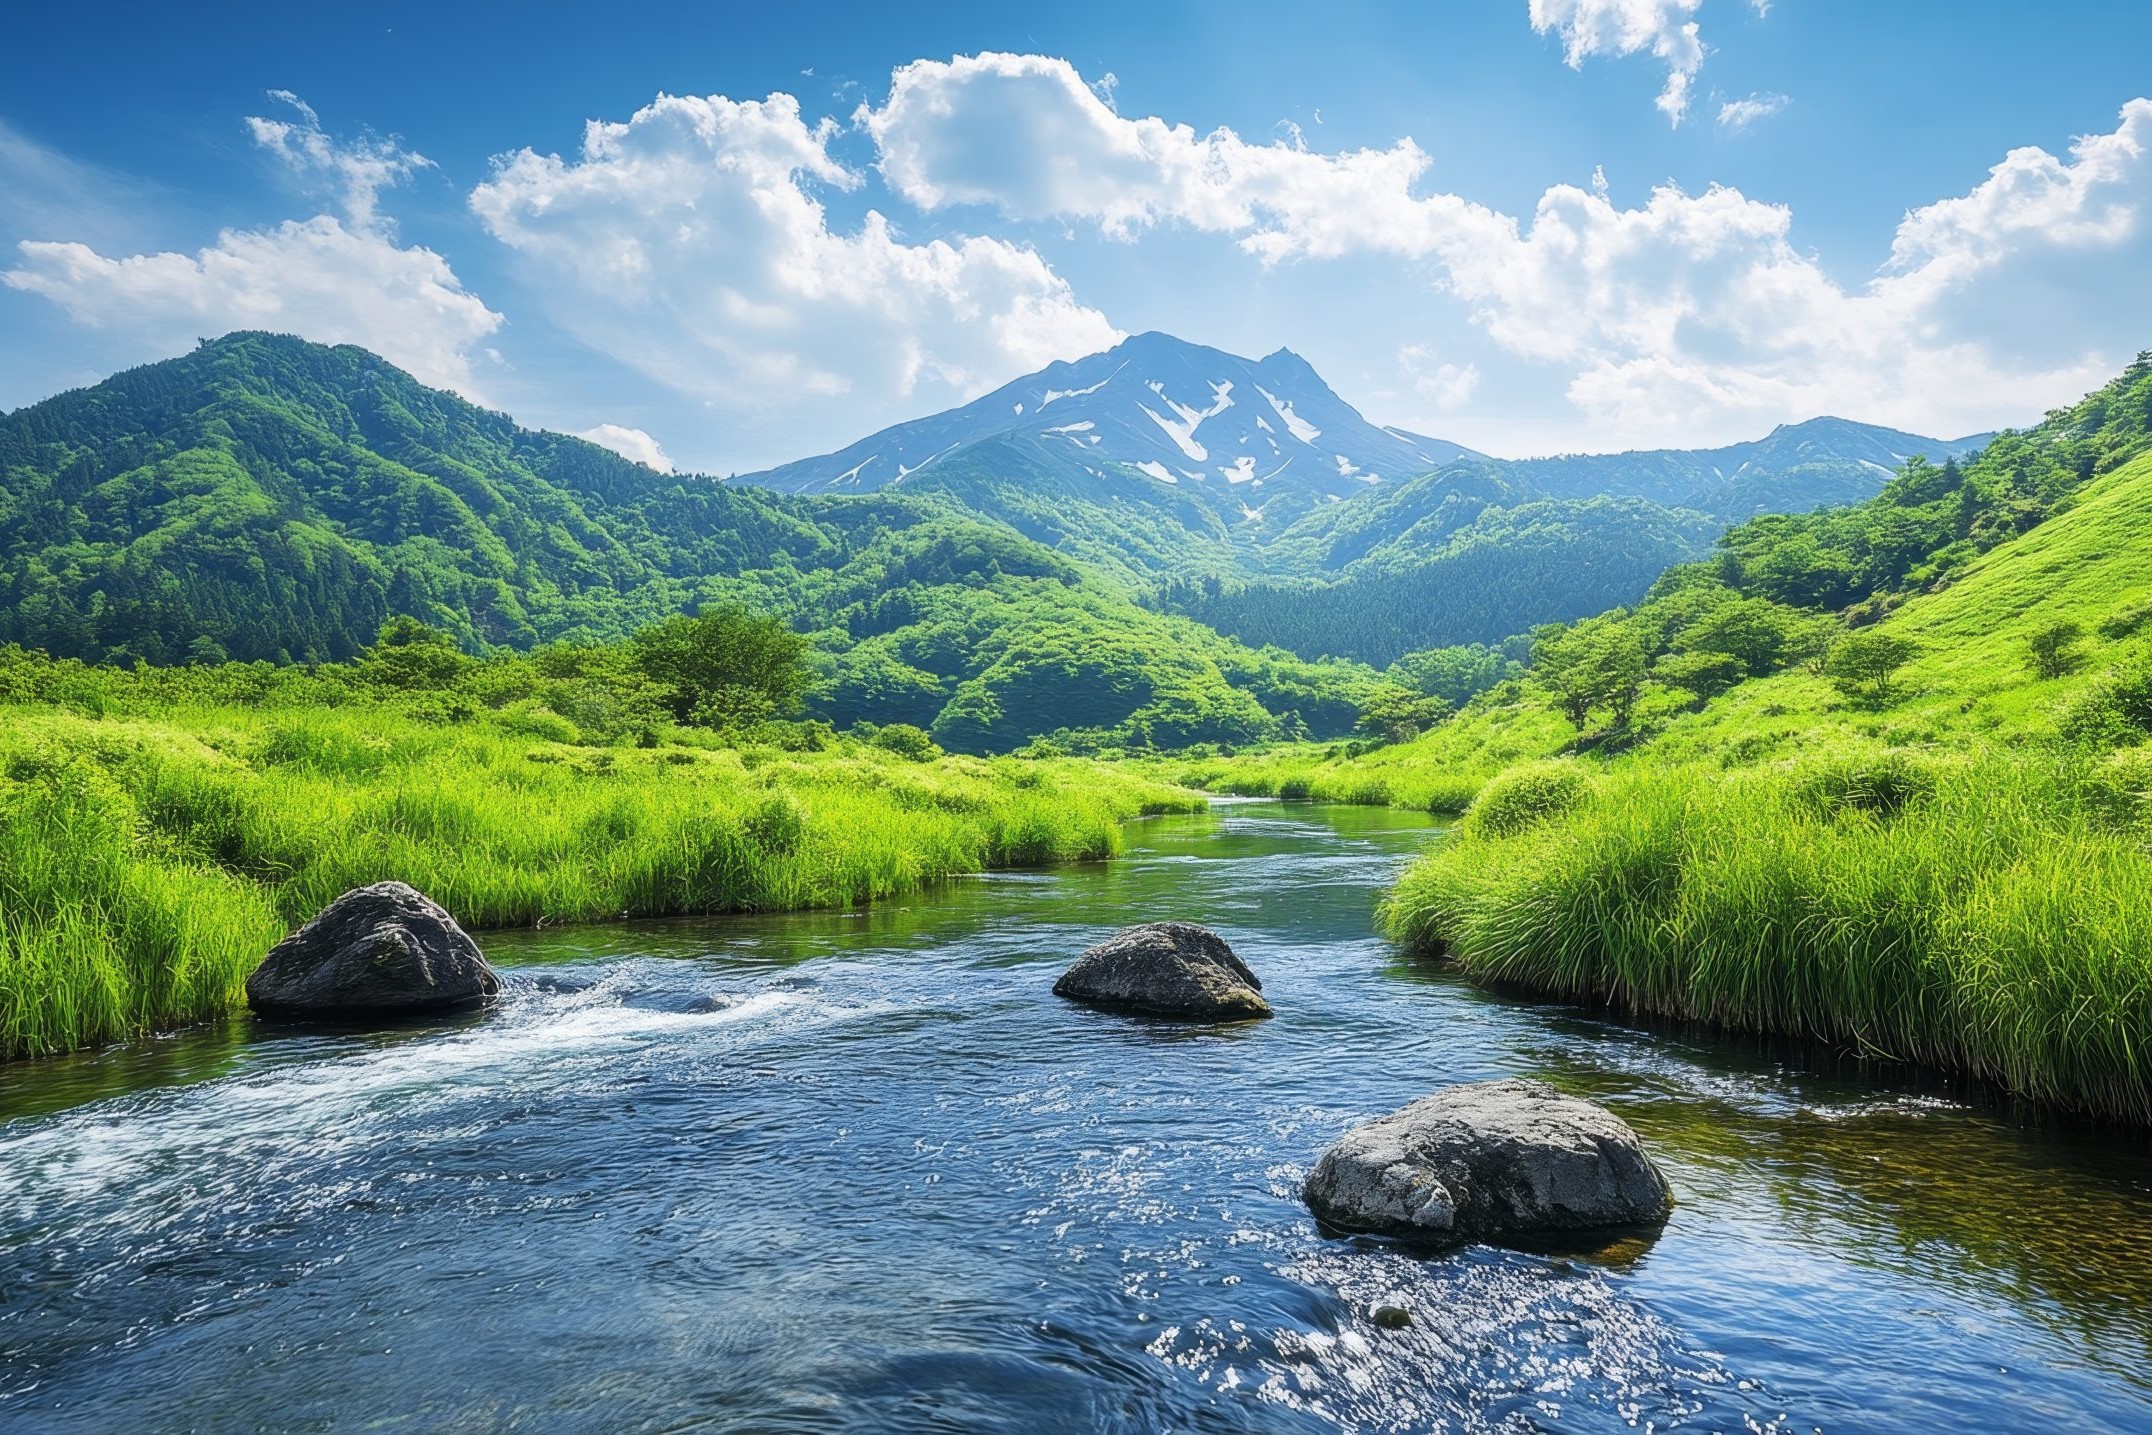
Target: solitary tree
1863	662
1395	714
1598	663
725	667
414	657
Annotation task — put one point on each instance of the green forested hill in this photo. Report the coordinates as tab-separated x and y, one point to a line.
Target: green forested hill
264	498
276	499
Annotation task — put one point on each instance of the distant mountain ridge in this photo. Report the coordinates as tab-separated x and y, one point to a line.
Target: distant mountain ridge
1169	461
267	498
1795	466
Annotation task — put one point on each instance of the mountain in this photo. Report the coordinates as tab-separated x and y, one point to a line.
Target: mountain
1152	409
1794	468
263	498
1247	494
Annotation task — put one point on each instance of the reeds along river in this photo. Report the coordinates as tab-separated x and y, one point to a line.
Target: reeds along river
860	1170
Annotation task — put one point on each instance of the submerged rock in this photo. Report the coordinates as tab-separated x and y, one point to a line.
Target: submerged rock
376	951
1483	1162
1166	969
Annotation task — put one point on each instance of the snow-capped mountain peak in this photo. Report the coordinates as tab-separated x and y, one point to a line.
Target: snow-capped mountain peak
1153	410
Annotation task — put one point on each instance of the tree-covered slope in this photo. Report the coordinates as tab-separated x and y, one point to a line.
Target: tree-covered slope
279	499
268	499
1472	571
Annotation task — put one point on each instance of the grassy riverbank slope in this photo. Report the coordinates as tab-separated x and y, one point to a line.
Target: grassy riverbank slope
1881	775
150	854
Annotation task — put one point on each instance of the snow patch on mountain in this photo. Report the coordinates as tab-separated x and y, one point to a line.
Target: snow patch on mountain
1295	425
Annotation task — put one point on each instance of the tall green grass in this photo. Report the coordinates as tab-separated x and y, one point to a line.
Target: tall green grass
147	863
1312	775
1990	915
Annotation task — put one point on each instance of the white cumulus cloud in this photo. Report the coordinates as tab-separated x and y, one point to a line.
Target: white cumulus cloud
330	279
1689	317
630	443
1665	28
1442	386
314	278
1024	134
688	243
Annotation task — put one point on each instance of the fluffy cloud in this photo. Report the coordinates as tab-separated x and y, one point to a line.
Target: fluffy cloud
1631	27
329	279
686	243
315	278
1693	315
1441	386
357	171
1026	135
630	443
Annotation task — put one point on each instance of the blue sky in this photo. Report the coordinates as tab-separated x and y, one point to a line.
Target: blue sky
1526	225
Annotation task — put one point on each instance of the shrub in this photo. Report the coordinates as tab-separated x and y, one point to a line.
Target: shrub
2118	787
1525	796
906	740
1864	662
532	719
2115	712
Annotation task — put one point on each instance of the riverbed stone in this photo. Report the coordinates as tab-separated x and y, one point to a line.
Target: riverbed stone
377	951
1488	1161
1174	969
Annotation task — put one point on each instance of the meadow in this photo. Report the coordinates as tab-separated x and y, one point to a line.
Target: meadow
150	854
1700	808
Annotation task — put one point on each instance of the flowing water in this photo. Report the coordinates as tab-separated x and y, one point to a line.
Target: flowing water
862	1171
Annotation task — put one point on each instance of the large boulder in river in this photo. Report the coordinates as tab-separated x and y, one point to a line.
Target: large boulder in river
383	950
1485	1162
1166	969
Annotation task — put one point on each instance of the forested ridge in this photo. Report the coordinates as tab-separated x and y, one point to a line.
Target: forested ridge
267	499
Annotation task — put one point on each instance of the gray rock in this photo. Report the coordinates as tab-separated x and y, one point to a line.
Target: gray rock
1166	969
1486	1161
376	951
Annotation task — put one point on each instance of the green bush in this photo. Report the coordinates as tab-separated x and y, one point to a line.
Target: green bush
2126	620
2119	787
905	740
533	719
1525	796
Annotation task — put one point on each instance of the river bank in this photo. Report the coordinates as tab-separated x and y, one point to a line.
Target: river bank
148	861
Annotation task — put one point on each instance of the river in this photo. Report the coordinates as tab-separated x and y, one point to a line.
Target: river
862	1171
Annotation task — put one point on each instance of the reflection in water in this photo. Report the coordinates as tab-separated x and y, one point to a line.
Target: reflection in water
859	1170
